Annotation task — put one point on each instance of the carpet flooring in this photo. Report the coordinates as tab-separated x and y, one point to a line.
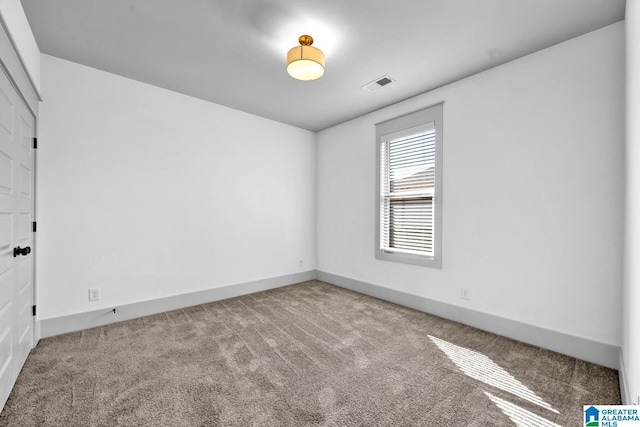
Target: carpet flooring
302	355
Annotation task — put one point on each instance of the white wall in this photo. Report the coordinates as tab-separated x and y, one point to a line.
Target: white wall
16	21
533	191
146	193
631	296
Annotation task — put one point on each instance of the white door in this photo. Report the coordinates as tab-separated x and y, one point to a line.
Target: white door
16	234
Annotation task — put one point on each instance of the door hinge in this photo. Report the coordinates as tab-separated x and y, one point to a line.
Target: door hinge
34	226
33	310
35	143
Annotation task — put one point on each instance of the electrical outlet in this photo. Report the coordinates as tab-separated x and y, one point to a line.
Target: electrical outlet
464	293
94	294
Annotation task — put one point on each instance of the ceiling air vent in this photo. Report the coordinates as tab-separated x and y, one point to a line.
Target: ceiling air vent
378	83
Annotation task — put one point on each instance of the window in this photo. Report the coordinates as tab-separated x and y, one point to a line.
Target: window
409	188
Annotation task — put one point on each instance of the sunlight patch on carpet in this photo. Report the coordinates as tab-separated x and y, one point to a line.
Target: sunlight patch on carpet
479	367
520	416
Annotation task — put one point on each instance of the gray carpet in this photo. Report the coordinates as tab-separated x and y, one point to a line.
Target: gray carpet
301	355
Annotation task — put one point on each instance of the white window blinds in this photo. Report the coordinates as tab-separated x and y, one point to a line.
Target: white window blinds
407	191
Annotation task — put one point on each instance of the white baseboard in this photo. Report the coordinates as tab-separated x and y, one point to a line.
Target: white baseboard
582	348
75	322
592	351
625	391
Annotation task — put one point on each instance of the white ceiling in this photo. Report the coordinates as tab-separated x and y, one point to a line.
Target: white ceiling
232	52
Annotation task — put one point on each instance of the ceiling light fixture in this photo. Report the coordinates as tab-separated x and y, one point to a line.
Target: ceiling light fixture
305	62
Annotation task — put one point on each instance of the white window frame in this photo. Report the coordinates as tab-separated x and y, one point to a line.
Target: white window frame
389	130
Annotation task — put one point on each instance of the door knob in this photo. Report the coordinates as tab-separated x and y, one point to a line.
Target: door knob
21	251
